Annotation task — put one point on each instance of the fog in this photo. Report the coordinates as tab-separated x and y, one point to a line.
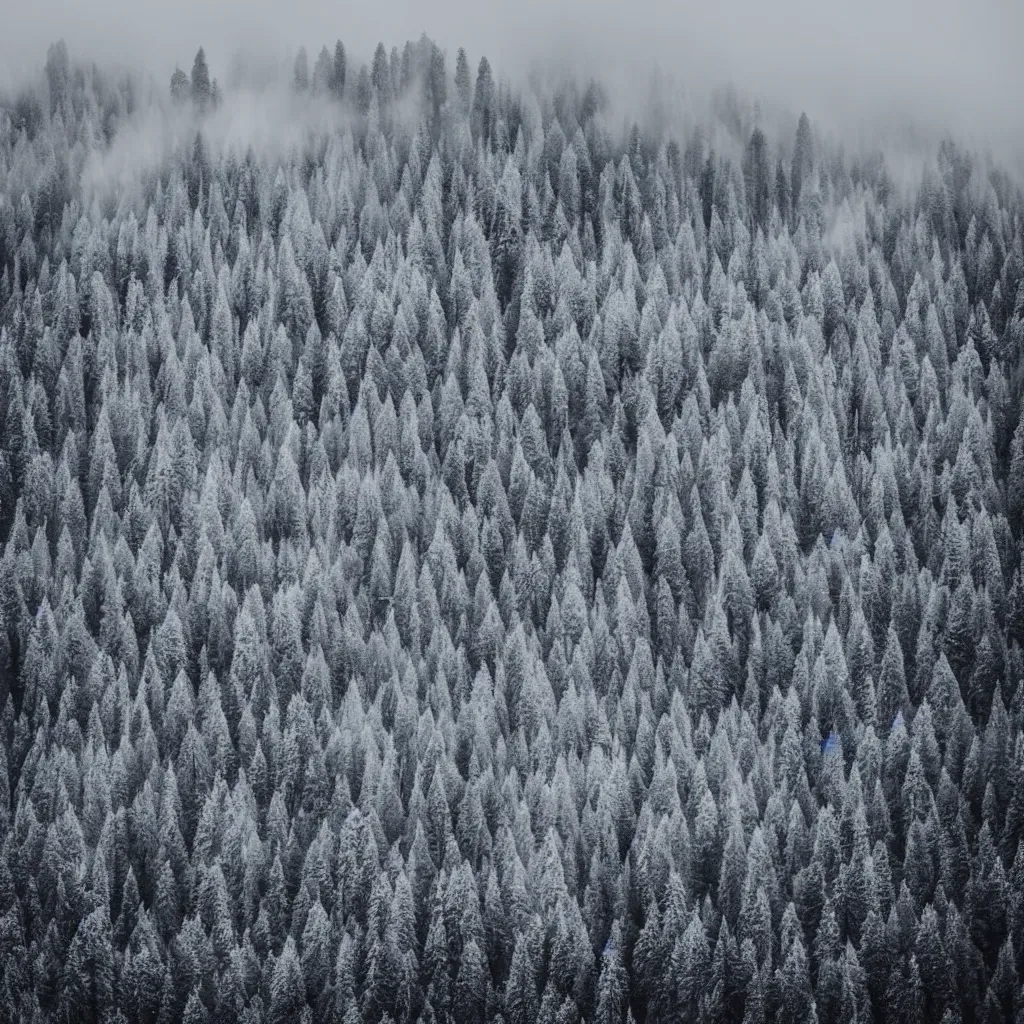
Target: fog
948	65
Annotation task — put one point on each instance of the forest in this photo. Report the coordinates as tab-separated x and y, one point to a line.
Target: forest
481	562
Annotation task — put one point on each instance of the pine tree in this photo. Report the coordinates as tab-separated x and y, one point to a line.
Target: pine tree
338	71
301	71
180	86
202	90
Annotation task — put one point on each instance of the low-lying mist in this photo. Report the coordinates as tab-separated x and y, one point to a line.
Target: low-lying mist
877	73
270	120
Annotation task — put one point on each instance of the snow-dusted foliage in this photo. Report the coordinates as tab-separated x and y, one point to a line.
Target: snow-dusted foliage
468	563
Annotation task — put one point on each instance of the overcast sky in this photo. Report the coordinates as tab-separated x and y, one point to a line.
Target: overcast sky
950	63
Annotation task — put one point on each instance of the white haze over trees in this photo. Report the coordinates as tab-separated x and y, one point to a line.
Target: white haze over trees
946	64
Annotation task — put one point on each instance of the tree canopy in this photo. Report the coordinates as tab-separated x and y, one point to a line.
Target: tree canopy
476	564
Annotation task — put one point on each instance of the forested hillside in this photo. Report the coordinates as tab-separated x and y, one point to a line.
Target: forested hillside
480	564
